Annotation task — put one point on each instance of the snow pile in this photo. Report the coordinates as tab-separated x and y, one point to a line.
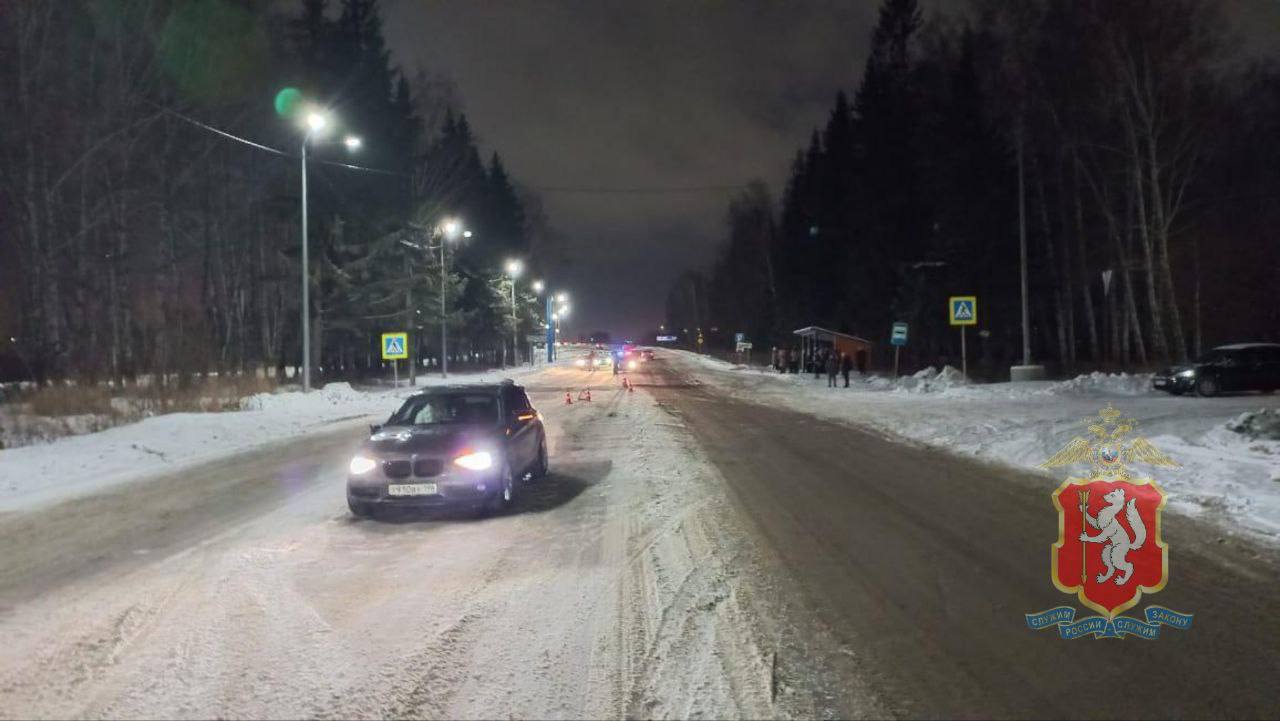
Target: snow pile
928	380
1257	425
1098	383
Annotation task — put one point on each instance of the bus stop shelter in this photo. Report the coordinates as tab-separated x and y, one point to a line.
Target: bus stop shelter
814	339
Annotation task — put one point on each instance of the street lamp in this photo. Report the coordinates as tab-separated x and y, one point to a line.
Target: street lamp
451	228
315	122
513	269
538	286
442	233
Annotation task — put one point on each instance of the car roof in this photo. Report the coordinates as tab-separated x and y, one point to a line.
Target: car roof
467	388
1242	346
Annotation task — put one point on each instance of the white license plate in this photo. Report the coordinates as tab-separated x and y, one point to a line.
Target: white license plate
1161	382
412	489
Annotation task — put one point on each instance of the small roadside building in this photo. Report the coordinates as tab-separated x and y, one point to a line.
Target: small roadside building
814	339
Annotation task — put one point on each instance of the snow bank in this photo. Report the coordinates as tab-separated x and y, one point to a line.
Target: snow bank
1105	383
1257	425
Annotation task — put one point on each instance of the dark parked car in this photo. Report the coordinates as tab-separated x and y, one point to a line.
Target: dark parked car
1239	367
450	446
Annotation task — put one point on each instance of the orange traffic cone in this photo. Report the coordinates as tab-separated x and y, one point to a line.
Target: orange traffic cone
568	401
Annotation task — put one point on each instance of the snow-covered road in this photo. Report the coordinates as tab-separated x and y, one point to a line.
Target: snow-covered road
242	588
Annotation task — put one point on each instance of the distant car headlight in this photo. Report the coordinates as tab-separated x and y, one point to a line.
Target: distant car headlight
361	465
477	461
1188	373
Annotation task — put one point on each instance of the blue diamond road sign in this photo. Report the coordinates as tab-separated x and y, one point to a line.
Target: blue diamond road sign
395	346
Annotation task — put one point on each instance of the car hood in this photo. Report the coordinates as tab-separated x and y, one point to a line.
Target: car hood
444	439
1175	370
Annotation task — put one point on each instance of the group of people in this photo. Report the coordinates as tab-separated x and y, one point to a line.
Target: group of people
835	364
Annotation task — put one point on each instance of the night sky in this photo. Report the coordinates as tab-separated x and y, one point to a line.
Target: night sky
650	95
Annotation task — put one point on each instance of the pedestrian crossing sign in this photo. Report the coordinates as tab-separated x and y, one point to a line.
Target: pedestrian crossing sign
964	309
395	346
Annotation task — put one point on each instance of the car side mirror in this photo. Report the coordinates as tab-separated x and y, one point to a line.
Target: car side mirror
374	428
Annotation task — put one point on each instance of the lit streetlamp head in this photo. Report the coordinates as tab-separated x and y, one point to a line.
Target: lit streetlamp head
450	228
562	298
316	121
514	267
555	316
352	142
466	234
538	286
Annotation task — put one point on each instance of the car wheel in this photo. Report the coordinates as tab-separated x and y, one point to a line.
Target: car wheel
502	499
1207	387
359	509
542	465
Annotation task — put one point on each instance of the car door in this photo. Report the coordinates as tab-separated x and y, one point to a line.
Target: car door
1262	366
523	437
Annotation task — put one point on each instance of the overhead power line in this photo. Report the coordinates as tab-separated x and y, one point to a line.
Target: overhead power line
599	190
272	150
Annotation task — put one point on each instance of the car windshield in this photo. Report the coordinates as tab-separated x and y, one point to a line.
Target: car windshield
442	408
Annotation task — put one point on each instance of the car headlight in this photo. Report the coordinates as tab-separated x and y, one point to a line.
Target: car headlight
477	461
1188	373
361	465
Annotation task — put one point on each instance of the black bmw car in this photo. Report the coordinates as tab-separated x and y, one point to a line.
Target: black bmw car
1228	368
450	446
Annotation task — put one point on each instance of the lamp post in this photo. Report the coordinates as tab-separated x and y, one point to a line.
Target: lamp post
315	122
513	269
448	230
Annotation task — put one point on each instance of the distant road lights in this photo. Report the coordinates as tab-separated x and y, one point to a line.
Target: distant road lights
514	267
466	234
538	286
562	298
352	142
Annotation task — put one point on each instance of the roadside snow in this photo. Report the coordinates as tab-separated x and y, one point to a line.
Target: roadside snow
1227	446
35	475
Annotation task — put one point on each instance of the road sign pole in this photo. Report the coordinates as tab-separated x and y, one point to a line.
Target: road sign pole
964	356
395	374
896	348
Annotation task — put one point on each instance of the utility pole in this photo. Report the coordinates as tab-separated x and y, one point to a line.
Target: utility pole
1022	246
306	281
444	334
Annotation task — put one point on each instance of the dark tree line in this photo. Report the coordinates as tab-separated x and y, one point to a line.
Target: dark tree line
134	242
1139	142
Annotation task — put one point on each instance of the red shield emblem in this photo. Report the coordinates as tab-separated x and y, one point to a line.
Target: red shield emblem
1109	550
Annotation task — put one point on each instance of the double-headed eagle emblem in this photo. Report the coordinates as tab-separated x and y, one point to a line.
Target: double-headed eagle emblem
1109	451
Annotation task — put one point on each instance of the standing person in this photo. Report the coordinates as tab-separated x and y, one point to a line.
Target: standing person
795	360
817	363
833	365
846	365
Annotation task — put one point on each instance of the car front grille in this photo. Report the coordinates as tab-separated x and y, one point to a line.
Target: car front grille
427	467
396	469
